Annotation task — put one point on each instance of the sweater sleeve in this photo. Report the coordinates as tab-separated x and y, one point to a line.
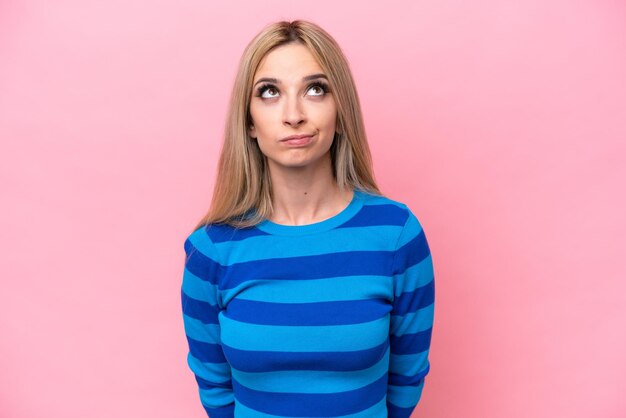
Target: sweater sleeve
201	307
411	319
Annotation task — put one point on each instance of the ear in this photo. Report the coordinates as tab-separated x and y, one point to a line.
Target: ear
252	131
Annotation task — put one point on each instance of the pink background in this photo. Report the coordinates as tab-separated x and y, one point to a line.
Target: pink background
502	124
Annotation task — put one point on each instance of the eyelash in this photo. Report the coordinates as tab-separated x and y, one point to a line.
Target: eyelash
263	87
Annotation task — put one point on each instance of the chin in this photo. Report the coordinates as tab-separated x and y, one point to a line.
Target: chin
296	164
300	161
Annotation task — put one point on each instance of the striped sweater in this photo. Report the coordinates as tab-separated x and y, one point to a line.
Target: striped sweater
331	319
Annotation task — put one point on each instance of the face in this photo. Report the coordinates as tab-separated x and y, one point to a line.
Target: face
290	97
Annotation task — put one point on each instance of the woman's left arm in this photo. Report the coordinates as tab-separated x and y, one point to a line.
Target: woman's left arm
411	319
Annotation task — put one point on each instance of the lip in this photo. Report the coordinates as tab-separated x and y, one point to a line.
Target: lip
288	138
297	140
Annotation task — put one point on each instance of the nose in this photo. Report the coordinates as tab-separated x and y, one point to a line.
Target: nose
293	114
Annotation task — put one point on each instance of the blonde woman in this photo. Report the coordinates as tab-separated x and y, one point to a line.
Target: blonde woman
306	292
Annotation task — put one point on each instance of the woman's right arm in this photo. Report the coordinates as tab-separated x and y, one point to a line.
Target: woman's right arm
200	304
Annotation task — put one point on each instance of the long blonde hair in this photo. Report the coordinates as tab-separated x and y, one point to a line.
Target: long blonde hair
242	196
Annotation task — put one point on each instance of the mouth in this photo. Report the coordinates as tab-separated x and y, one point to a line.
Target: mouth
292	137
302	139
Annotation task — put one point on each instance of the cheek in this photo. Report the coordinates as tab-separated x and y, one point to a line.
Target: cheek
264	146
330	115
325	117
263	118
331	120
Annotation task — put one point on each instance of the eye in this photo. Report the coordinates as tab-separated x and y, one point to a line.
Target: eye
267	91
318	89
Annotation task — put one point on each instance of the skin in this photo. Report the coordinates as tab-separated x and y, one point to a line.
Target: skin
304	190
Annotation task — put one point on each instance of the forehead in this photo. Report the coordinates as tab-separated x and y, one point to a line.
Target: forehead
288	62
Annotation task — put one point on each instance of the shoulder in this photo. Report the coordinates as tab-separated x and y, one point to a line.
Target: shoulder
202	262
200	241
396	212
408	228
212	237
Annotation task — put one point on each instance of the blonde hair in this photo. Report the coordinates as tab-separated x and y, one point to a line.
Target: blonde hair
243	190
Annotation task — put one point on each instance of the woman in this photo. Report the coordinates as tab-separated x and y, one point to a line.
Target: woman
306	293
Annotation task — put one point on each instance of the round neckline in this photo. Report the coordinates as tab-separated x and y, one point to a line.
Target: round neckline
293	230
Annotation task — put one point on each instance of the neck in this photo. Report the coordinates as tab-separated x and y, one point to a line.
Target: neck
306	195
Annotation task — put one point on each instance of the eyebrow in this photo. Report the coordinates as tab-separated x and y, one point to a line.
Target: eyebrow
307	78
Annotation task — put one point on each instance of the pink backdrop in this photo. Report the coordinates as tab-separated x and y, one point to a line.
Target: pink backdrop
502	124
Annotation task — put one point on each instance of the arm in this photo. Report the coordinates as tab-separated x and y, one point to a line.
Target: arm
200	304
411	319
